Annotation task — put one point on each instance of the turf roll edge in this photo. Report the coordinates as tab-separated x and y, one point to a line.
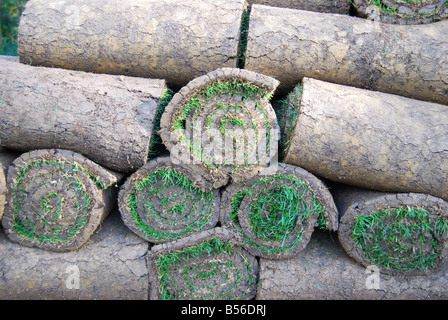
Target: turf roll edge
163	201
276	214
210	265
56	199
399	233
223	121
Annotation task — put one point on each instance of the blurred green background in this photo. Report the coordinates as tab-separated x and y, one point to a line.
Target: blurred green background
10	11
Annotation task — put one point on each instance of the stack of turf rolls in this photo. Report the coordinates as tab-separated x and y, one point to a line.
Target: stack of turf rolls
364	109
218	142
221	133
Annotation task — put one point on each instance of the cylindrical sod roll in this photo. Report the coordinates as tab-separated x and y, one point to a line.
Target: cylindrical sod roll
276	214
408	60
324	271
165	39
400	233
370	139
6	158
330	6
210	265
162	201
225	122
402	11
56	199
111	267
109	119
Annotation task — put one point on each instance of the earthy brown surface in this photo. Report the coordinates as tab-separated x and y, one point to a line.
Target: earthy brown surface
53	201
406	60
110	266
6	158
165	39
324	271
107	118
370	139
334	6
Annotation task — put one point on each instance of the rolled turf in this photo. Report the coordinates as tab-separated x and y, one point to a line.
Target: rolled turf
56	199
400	233
164	39
163	201
276	214
223	121
210	265
407	60
109	119
110	266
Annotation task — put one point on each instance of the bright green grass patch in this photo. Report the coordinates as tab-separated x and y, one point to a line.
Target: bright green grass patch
287	115
197	102
244	33
400	238
284	206
156	145
383	7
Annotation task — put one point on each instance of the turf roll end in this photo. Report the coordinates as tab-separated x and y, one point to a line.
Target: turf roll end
210	265
56	199
403	233
164	201
276	214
